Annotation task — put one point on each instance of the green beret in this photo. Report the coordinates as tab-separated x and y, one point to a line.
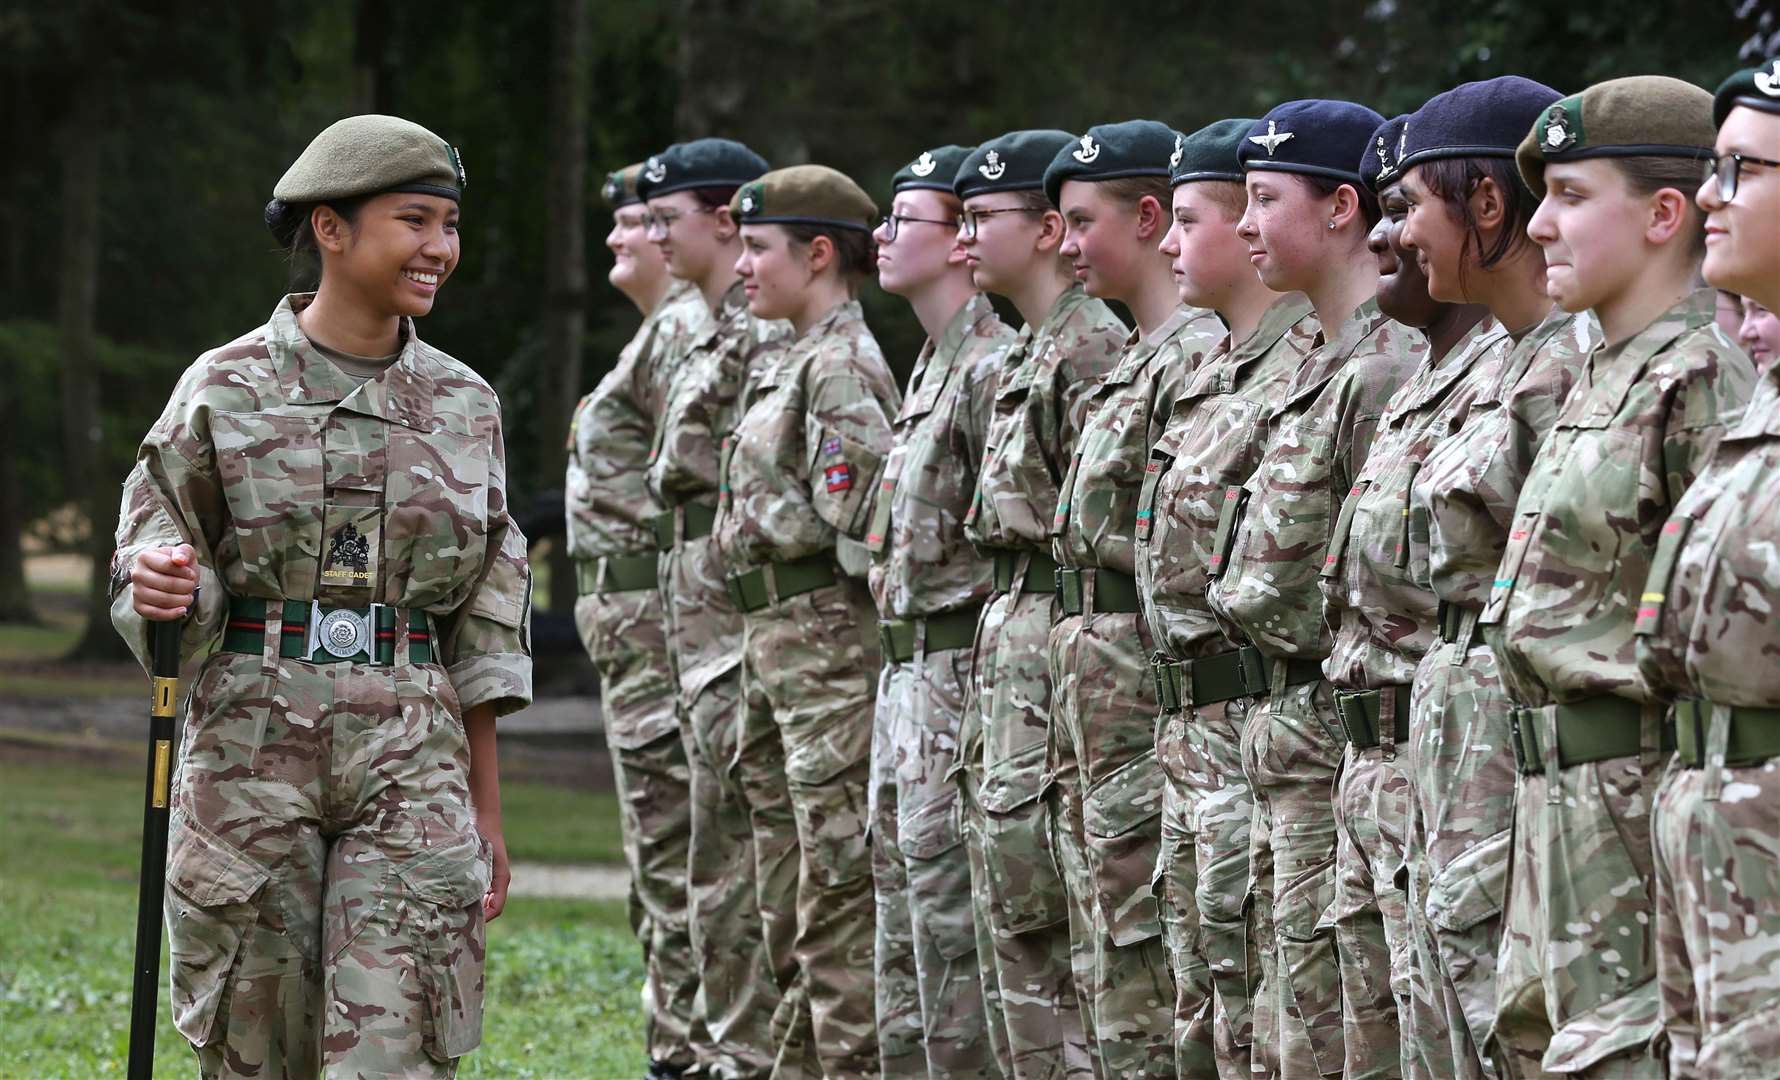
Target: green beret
1639	116
804	195
1756	87
1214	152
1013	162
372	155
932	171
1112	152
620	188
701	163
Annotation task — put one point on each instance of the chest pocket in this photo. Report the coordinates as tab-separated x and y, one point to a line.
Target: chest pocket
270	467
435	513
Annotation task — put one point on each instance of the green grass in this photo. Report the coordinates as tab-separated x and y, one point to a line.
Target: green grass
563	975
54	638
550	824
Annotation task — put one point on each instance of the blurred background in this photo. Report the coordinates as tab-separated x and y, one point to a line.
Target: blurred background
139	142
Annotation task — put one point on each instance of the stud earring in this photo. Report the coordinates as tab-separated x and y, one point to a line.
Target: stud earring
1331	225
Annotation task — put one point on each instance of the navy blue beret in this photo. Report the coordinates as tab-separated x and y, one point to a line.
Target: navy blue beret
932	171
1112	152
1382	164
1013	162
699	163
1214	152
1314	137
1478	119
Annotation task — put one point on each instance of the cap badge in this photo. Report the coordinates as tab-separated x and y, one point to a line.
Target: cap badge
1384	159
748	203
1179	149
1089	151
1272	140
1558	135
457	165
1402	142
924	165
613	187
655	172
992	167
1768	82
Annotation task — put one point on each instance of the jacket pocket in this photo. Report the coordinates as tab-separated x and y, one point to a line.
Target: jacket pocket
270	469
212	903
435	515
442	894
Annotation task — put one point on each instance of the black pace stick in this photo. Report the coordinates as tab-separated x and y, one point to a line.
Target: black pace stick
145	994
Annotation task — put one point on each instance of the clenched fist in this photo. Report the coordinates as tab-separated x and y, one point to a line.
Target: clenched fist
162	581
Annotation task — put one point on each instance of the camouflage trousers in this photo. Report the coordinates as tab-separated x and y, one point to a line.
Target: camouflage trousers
1462	769
1717	840
1371	910
1576	967
1021	905
1215	936
627	641
1104	755
739	989
1291	751
931	1014
324	874
805	761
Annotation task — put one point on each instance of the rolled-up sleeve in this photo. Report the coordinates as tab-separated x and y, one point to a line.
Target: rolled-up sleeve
487	649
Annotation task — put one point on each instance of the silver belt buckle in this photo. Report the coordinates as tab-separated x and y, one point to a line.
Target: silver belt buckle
341	633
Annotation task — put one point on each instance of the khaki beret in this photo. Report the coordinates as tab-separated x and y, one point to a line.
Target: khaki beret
804	195
371	155
1638	116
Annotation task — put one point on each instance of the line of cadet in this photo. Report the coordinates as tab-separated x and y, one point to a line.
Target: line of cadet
1364	666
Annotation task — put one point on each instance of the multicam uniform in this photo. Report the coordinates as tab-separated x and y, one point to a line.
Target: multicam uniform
325	876
1265	562
619	614
1460	767
1383	617
1706	636
739	948
1640	423
798	472
1210	445
1104	732
929	585
1021	905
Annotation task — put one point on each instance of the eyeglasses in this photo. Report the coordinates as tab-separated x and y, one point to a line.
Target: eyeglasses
889	222
972	220
663	220
1726	168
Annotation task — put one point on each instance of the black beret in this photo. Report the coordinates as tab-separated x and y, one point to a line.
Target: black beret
1112	152
1637	116
1478	119
1314	137
1013	162
804	195
700	163
932	171
1756	87
620	188
1381	163
1214	152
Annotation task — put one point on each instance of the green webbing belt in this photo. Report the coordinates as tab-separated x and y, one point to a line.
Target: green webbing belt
1754	734
1598	728
751	592
1113	591
246	631
1244	672
953	630
700	519
615	573
1359	711
1041	571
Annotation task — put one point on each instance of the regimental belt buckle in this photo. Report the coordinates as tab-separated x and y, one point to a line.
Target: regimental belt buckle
342	633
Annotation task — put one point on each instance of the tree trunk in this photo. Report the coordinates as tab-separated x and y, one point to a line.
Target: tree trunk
565	257
15	595
370	56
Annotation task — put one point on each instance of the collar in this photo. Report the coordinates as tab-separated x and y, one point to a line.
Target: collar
402	393
1612	372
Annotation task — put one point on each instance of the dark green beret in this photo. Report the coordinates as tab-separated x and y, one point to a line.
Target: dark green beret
701	163
1013	162
620	188
372	155
1211	153
805	195
1639	116
1756	87
1112	152
932	171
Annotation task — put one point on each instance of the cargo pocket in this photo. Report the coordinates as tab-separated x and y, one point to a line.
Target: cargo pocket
939	876
212	903
1471	888
1023	875
1121	816
1304	862
442	897
1222	899
828	774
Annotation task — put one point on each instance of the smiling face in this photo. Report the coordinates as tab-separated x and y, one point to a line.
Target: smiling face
1742	237
1402	287
689	235
926	244
1759	333
775	272
395	255
1434	236
1209	260
1591	226
1283	227
636	263
1109	241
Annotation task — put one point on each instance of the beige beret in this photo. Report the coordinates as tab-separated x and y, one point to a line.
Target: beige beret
371	155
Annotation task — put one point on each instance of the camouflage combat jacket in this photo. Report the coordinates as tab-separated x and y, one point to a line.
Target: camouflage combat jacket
801	465
1374	579
923	563
294	481
1211	444
606	492
1628	442
1463	501
1275	536
1707	626
1047	382
1095	524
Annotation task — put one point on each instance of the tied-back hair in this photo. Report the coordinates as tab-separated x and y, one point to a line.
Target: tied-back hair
292	227
855	252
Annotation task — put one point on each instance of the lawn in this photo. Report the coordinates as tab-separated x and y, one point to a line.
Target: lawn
563	976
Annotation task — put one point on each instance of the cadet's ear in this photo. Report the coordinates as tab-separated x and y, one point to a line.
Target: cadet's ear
724	225
1050	232
1487	205
1346	208
332	232
1152	222
1670	215
820	253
